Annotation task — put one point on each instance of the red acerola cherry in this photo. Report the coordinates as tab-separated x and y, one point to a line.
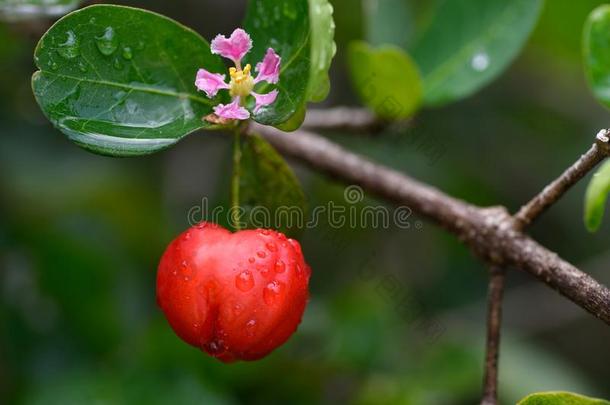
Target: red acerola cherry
237	296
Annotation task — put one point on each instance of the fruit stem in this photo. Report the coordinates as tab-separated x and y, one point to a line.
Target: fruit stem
235	181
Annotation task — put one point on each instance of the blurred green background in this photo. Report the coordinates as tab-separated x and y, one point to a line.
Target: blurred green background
80	237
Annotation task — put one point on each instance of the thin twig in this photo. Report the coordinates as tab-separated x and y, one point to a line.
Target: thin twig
490	232
341	118
494	322
554	191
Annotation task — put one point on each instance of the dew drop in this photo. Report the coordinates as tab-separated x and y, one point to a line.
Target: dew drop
244	281
127	53
215	347
117	64
187	236
70	48
272	247
265	232
237	308
53	65
250	325
280	266
107	43
251	260
480	61
201	225
261	254
273	292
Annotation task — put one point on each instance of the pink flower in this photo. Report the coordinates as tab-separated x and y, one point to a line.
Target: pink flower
210	83
242	83
232	111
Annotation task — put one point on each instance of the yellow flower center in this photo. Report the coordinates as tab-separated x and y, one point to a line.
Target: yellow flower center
242	82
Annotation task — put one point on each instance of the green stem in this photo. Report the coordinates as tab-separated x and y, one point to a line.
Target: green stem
235	180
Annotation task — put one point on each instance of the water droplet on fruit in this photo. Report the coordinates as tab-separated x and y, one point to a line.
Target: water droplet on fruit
107	43
70	48
272	292
215	347
244	281
187	236
127	53
280	266
237	308
261	254
272	247
251	260
250	325
265	232
201	225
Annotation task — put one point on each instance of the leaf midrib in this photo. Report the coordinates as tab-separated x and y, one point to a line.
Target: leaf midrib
143	89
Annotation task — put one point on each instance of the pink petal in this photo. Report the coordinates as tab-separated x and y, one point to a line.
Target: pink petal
232	111
210	83
263	100
234	47
269	69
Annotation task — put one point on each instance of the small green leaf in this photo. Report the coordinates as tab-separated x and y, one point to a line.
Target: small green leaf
120	81
19	10
560	398
268	191
596	196
386	79
469	43
596	53
301	32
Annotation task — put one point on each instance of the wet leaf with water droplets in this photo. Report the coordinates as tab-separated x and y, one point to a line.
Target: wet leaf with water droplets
301	32
130	101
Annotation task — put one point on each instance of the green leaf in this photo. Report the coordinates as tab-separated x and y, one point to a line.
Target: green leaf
19	10
560	398
469	43
301	32
596	196
268	190
596	53
386	79
119	80
388	22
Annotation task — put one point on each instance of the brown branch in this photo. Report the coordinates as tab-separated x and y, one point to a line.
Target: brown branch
494	322
342	118
554	191
490	232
